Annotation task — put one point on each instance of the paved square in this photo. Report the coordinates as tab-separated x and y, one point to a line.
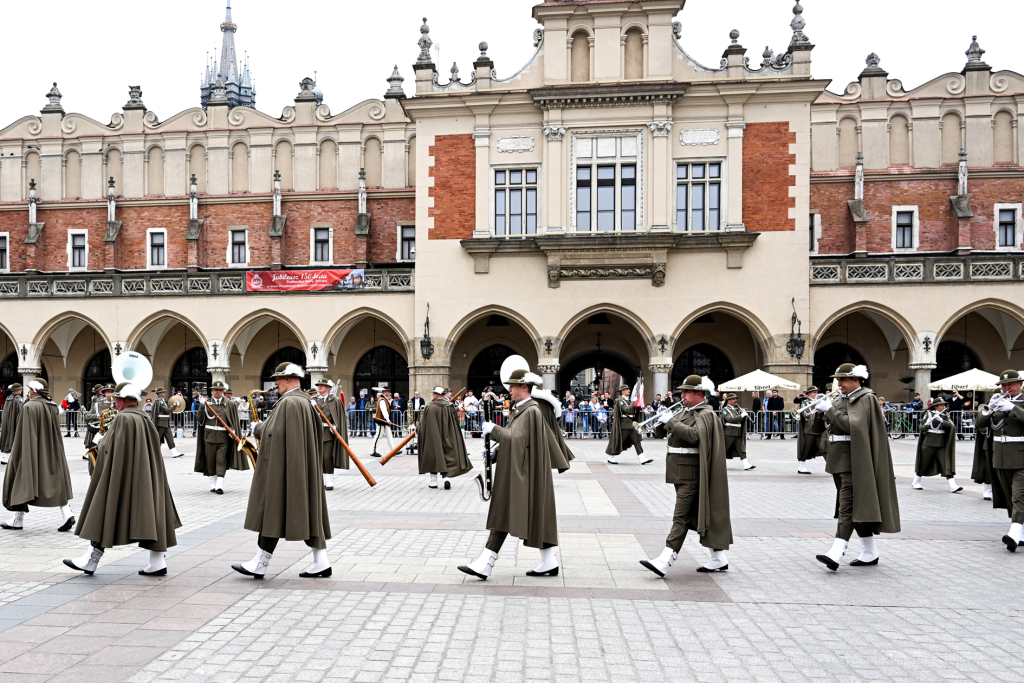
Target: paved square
946	601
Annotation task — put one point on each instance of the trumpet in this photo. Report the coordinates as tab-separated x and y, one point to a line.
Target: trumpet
813	405
986	409
675	409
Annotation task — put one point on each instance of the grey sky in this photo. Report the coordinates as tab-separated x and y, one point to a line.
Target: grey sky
96	50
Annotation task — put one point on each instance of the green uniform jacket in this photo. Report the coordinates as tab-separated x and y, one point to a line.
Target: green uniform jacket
228	411
623	424
129	499
9	422
735	426
37	473
1006	456
874	482
287	498
701	427
335	412
523	495
441	448
161	414
946	466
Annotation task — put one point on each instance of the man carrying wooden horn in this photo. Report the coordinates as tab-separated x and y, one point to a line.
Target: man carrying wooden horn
129	500
442	451
523	494
37	473
215	449
335	457
287	499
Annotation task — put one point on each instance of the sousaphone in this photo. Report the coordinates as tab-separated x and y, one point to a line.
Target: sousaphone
132	367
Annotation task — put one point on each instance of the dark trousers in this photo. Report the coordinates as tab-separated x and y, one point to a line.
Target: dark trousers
632	439
496	539
685	516
166	436
145	545
329	446
1012	481
268	544
216	459
846	527
732	448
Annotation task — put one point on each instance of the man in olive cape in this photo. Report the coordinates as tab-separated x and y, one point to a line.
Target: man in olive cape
161	416
523	494
37	473
695	464
1006	420
216	451
335	457
99	403
861	465
441	448
981	472
623	433
808	439
734	420
936	448
9	421
287	499
129	499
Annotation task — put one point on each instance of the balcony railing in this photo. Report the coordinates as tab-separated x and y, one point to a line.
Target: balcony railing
172	283
917	268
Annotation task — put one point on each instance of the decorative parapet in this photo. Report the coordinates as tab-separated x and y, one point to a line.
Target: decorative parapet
917	268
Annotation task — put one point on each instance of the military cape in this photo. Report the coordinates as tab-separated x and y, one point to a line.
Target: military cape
618	434
9	422
441	448
287	498
981	472
236	459
37	473
523	493
334	409
808	438
129	499
946	462
735	416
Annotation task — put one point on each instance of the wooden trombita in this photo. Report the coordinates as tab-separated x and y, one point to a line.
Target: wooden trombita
398	448
244	445
352	456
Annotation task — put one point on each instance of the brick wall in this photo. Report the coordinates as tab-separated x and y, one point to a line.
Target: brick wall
939	226
454	190
766	178
130	250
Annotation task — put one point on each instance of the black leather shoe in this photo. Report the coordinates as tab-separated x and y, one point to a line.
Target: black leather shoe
69	563
705	570
5	525
799	472
158	572
1011	544
328	488
241	570
466	570
654	569
323	574
958	490
550	572
220	492
66	526
858	563
447	486
828	562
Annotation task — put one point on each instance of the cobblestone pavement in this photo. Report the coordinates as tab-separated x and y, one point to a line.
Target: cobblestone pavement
946	601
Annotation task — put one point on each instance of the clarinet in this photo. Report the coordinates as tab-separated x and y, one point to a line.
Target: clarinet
486	483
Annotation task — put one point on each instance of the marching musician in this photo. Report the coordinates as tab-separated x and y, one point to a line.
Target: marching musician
287	498
37	473
442	450
1006	419
624	433
860	463
695	464
936	448
523	495
335	457
101	401
734	419
215	449
382	417
982	472
809	442
9	422
161	416
129	499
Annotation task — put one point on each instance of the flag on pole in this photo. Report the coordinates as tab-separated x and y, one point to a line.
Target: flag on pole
638	393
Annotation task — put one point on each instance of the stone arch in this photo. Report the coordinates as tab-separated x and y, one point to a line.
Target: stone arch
239	166
479	314
581	50
762	335
951	129
170	318
1006	319
899	139
115	169
239	327
327	152
335	336
1002	135
155	169
633	38
197	165
373	160
897	320
848	140
283	153
636	321
54	323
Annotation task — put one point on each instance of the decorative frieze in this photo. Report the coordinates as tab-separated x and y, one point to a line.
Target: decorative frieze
555	133
516	144
660	129
700	137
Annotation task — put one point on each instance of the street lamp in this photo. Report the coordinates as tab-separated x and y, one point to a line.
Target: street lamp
795	345
426	346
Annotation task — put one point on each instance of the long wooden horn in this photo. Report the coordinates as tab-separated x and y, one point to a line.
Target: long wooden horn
399	447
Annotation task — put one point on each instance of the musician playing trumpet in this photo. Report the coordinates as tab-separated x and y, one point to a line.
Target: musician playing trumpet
809	441
936	447
215	449
1005	417
734	419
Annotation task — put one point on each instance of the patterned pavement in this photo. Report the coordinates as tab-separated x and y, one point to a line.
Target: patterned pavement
946	601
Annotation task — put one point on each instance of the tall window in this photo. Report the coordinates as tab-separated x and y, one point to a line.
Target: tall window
605	198
515	202
239	252
905	230
583	197
322	245
699	197
157	249
78	259
811	233
408	242
3	252
606	192
1007	228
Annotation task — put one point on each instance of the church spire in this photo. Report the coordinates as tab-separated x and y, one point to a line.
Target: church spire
236	77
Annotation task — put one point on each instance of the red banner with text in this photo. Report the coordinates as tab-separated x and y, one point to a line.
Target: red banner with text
302	280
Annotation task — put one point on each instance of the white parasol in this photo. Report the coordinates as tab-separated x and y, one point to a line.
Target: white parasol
972	380
758	380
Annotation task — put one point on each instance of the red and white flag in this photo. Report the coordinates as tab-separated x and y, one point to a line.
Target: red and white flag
638	393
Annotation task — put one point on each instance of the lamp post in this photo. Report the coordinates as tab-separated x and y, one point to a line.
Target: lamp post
796	344
426	346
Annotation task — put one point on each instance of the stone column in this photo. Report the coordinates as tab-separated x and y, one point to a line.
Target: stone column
660	152
735	200
662	374
482	142
424	378
556	221
549	371
922	378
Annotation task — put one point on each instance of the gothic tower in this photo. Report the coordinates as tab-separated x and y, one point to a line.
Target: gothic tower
237	81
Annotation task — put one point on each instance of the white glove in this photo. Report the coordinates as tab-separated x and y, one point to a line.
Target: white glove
743	412
665	418
488	427
823	406
1005	406
97	438
202	400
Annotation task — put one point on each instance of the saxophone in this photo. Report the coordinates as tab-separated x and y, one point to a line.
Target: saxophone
104	419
